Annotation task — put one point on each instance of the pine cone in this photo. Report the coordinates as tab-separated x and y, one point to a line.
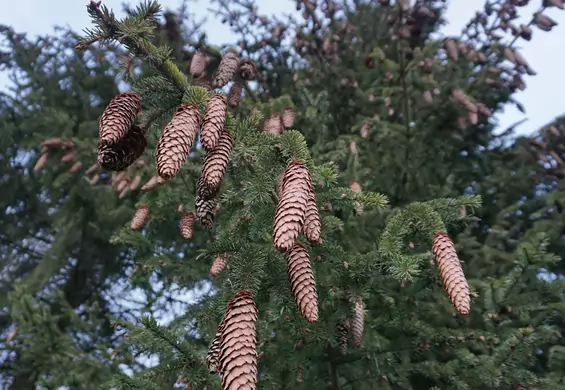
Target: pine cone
204	82
93	168
238	346
451	48
342	337
235	95
219	264
216	162
204	191
288	117
120	155
53	143
226	69
69	156
75	167
154	182
41	163
451	273
139	217
302	282
187	225
197	64
136	181
247	69
358	322
291	207
213	355
312	224
118	117
176	141
214	121
205	211
273	124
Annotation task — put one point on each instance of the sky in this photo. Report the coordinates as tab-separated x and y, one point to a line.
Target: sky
545	52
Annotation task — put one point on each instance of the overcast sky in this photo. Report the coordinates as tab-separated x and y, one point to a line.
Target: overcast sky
542	99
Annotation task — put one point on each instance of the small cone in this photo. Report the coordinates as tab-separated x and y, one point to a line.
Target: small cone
216	162
93	168
219	264
53	143
214	122
288	116
451	48
358	322
41	162
238	345
12	335
154	182
118	117
176	141
451	273
120	155
302	282
136	181
75	167
247	69
204	191
291	207
205	211
139	217
365	130
226	69
213	355
124	192
342	337
123	183
273	124
197	64
312	223
69	156
235	95
187	225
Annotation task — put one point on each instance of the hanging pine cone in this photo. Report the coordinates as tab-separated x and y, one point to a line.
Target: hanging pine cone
204	82
203	191
238	345
176	141
93	168
288	117
187	225
291	207
302	282
235	95
219	264
216	162
226	69
120	155
205	210
451	48
69	156
342	337
75	167
53	143
273	124
41	163
451	273
214	121
197	64
139	217
358	322
136	181
312	224
154	182
118	117
247	69
213	355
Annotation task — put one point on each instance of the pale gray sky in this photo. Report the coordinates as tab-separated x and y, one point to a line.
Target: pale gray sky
545	52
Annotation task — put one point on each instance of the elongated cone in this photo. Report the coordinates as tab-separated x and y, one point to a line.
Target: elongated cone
69	156
135	182
342	337
288	117
219	264
238	345
213	355
312	224
154	182
93	168
120	155
203	191
226	69
358	322
187	225
273	124
235	95
451	273
214	122
365	130
139	217
122	184
509	54
247	69
302	282
124	192
216	162
544	23
41	162
197	64
75	167
54	143
176	141
205	211
291	206
451	48
118	117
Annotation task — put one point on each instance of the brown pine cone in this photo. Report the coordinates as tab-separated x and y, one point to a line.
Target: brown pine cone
118	117
176	141
358	322
214	121
139	217
93	168
226	69
235	95
187	225
154	182
213	355
120	155
41	163
204	82
197	64
136	181
204	191
302	282
312	224
238	345
288	117
205	211
342	341
273	124
69	156
291	207
451	48
451	273
219	264
216	162
75	167
53	143
247	69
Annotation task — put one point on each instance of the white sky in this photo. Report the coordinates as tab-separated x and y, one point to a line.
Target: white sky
545	52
